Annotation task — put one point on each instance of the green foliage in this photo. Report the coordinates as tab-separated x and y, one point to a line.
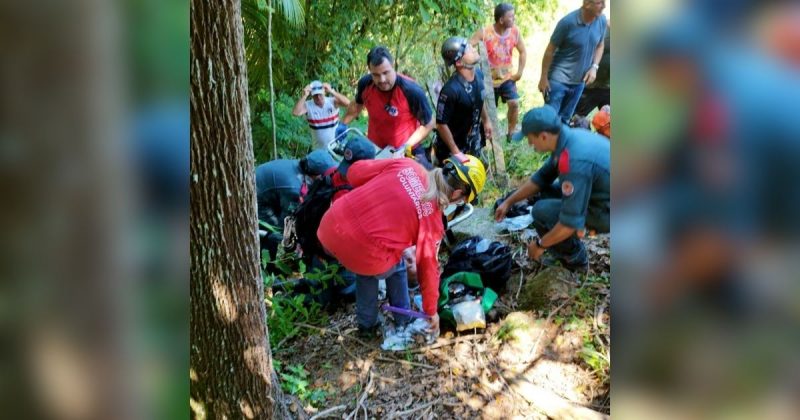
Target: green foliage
522	160
329	40
286	310
599	362
506	331
294	137
594	353
295	381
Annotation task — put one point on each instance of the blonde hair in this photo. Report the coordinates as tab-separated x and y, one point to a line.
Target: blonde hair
439	188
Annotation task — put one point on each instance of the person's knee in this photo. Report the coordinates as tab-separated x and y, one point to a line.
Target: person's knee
545	211
538	210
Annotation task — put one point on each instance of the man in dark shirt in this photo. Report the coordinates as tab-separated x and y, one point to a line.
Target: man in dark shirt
598	93
460	110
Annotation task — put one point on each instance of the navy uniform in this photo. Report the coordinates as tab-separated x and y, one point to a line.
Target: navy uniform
280	183
459	106
575	185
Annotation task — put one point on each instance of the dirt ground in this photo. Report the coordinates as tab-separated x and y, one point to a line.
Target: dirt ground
551	360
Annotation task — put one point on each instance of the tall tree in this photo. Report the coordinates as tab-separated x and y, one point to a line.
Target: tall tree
230	362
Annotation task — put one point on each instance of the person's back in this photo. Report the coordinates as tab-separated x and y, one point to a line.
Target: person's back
386	204
278	184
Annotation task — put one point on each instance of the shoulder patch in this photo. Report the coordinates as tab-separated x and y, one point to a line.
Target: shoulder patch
567	188
563	162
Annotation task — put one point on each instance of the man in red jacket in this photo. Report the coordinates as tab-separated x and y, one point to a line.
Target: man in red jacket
395	204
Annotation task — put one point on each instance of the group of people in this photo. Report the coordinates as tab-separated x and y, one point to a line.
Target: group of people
392	205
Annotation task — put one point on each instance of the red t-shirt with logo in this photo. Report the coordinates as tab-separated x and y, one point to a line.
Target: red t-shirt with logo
396	114
368	228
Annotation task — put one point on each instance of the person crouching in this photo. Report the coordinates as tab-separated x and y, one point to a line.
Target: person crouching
395	204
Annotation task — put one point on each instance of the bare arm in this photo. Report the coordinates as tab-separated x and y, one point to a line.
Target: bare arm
591	74
558	233
339	99
420	133
547	59
527	189
523	55
353	111
447	136
476	37
487	122
300	106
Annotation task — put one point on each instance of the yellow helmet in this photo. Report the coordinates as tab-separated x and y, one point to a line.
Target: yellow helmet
471	172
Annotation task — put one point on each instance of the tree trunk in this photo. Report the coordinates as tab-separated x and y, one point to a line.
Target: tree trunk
230	361
501	178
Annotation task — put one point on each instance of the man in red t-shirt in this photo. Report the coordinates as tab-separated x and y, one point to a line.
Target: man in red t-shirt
399	113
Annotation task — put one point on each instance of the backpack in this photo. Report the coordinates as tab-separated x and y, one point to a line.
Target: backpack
491	260
303	223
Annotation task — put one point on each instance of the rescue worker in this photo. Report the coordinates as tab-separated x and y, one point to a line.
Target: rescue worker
395	204
581	161
460	110
280	183
398	110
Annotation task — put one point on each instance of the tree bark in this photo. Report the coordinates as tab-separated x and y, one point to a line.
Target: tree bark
230	362
499	159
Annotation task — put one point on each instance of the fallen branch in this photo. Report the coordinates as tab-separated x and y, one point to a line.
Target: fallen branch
360	402
407	412
405	362
321	414
328	331
448	342
544	327
551	404
519	289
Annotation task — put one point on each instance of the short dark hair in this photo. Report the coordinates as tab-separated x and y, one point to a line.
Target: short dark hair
501	9
377	54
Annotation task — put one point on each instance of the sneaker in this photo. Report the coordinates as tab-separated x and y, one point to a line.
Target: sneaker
381	290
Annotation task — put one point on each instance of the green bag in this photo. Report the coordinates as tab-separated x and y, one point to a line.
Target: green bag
471	281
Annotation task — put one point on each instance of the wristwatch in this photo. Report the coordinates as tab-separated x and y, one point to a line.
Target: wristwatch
539	243
596	66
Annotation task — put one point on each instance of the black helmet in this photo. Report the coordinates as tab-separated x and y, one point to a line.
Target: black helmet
453	49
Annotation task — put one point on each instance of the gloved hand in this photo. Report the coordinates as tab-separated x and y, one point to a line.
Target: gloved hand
409	151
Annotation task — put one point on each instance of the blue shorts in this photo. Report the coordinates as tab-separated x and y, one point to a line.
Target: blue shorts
507	90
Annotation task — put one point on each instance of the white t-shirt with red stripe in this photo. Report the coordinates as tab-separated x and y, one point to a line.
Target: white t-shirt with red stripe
322	121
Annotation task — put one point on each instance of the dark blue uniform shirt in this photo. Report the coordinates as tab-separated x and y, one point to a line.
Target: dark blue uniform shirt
582	162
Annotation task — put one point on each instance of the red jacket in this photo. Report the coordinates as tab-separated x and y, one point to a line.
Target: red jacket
368	228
